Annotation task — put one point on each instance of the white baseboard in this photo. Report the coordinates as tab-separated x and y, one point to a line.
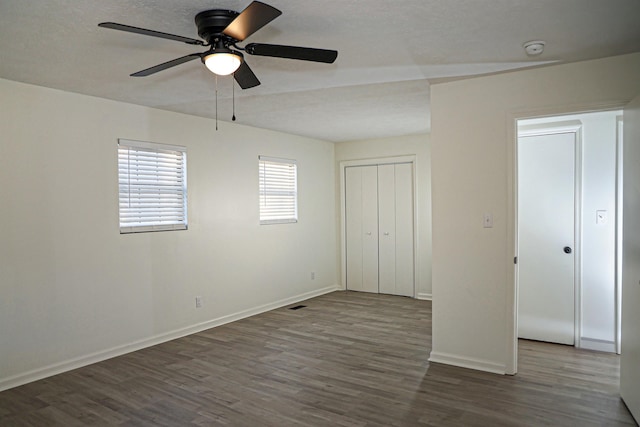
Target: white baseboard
597	345
88	359
467	362
424	296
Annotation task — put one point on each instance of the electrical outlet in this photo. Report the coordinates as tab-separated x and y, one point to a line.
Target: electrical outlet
313	275
198	302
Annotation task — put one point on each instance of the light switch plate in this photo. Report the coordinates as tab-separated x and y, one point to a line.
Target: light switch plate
601	217
487	220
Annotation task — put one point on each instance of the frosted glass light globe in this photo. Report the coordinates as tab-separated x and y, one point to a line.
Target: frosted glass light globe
222	63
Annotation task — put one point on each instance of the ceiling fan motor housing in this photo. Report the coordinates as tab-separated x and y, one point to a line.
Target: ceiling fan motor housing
211	23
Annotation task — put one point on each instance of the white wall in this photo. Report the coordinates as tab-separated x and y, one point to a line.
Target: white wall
420	146
598	241
73	290
473	151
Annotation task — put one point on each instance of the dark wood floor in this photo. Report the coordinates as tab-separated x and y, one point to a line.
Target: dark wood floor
347	359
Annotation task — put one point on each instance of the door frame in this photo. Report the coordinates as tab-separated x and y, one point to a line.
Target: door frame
619	225
565	127
343	212
511	300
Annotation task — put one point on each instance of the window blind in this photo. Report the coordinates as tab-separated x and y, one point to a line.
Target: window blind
278	190
152	186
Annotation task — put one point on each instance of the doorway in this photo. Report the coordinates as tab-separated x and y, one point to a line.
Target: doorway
568	290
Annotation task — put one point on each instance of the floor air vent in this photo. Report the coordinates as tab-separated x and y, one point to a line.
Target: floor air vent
297	307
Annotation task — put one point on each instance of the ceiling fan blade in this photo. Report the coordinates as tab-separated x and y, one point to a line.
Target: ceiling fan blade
166	65
292	52
250	20
136	30
245	77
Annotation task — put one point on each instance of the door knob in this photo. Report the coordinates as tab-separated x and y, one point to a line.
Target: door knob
368	233
386	234
567	250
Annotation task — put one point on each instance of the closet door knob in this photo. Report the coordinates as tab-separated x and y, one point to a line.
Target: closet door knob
368	233
386	234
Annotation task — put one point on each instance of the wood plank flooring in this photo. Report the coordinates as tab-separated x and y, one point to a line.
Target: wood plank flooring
346	359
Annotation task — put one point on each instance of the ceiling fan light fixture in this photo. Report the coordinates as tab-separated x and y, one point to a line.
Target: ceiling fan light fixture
222	63
221	29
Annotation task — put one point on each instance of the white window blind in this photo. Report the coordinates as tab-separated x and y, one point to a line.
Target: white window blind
278	190
152	182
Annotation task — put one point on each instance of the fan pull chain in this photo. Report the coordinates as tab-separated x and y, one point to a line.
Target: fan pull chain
233	96
216	102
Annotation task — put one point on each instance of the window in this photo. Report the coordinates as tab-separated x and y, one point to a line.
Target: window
152	183
278	190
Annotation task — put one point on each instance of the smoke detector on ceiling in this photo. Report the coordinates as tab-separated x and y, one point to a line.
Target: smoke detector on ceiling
534	47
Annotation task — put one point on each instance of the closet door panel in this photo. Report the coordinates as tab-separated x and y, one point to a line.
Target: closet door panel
353	225
386	227
404	242
370	228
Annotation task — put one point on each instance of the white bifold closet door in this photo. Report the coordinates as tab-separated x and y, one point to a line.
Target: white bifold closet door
362	228
379	228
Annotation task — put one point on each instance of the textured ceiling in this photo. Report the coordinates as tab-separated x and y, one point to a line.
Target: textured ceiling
378	87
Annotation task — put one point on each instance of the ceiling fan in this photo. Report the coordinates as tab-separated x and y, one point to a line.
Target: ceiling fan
222	30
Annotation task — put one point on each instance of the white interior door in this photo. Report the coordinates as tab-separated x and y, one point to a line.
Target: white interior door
546	237
379	228
361	204
630	355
